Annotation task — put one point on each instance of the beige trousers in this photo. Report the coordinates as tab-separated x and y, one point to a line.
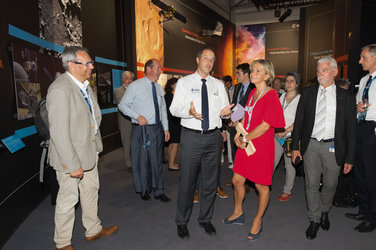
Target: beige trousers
69	191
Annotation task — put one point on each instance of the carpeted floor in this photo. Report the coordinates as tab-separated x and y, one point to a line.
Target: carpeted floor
150	224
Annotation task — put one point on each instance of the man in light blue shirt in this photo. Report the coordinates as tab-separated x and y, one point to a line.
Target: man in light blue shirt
144	103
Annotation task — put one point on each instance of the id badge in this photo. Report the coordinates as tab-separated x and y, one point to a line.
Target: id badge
331	149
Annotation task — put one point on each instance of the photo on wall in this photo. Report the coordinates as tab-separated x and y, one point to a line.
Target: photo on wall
104	85
33	73
250	43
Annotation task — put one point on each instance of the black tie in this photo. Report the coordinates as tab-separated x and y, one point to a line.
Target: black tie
204	106
241	94
156	107
365	96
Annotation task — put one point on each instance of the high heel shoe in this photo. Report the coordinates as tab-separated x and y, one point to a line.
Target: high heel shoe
237	221
255	236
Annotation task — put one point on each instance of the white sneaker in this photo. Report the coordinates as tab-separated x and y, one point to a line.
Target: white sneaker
231	166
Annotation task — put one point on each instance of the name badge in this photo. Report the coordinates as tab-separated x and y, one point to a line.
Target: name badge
331	149
195	91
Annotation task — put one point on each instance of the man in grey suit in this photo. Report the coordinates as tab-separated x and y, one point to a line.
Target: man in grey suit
324	127
74	118
124	122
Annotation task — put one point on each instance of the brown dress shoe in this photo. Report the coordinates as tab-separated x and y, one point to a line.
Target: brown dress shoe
104	232
69	247
196	196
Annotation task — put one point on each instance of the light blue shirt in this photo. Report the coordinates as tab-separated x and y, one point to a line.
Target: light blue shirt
138	100
245	87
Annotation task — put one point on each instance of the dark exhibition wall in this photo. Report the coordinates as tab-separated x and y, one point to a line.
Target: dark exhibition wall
109	29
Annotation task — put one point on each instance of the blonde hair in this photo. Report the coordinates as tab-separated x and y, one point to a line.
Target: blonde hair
268	67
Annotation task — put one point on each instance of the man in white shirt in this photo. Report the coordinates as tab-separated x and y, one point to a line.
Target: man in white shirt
365	161
200	101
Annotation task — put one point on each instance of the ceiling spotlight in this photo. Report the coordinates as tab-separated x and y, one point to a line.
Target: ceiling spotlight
285	15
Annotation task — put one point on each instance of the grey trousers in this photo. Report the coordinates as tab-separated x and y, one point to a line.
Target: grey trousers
198	152
290	169
125	127
318	160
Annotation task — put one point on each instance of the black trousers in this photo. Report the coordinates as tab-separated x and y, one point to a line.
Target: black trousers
198	152
365	169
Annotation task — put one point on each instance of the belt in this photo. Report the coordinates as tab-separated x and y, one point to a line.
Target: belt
373	123
325	140
201	131
149	125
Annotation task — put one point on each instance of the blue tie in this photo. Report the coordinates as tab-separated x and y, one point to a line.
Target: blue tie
241	94
156	107
204	106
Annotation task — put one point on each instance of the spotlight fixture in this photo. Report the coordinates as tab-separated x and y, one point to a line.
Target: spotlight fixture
285	15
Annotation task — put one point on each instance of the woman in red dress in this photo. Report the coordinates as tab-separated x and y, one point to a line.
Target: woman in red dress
263	113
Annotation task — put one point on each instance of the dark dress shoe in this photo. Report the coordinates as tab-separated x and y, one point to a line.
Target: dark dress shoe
183	232
324	221
208	227
355	216
365	227
312	230
162	198
145	196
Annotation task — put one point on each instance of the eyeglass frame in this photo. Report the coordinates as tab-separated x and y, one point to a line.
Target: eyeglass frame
84	64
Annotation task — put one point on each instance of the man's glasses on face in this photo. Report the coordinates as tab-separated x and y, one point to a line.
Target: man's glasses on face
84	64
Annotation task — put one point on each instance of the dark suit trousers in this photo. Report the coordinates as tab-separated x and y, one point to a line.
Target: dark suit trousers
233	145
365	170
198	152
147	164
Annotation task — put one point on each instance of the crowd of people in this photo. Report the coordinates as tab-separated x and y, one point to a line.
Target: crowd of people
324	127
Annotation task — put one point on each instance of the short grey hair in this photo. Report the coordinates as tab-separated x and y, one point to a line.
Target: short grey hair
371	48
330	60
127	73
70	54
296	75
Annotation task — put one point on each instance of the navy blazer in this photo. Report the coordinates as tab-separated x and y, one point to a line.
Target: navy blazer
345	124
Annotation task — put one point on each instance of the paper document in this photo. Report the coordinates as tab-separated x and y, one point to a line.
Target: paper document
249	149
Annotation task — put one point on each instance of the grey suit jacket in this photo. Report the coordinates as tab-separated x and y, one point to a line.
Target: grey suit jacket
73	142
124	121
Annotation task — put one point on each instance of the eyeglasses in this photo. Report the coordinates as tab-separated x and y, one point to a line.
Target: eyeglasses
84	64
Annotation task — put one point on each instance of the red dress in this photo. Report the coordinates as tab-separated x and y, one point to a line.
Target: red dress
258	167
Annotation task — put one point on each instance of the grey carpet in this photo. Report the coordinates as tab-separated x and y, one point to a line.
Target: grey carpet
150	224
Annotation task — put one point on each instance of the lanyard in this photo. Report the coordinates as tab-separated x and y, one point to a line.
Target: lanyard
283	104
86	97
249	108
367	87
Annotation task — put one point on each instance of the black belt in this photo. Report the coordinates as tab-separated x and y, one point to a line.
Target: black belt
201	131
325	140
149	125
364	122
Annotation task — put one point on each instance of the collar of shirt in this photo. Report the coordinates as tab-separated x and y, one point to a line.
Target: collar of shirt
198	76
246	87
81	85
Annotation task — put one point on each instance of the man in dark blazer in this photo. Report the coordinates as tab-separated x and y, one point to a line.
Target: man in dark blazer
241	94
325	129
